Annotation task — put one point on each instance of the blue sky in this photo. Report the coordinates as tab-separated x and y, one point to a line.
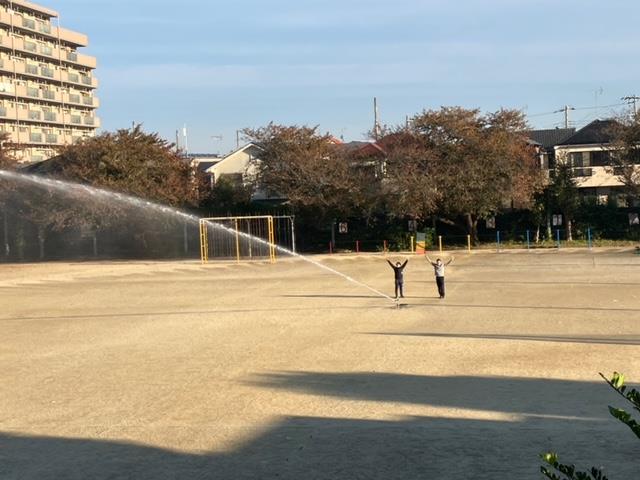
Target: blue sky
219	66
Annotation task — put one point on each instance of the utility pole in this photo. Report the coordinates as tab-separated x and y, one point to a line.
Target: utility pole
632	101
566	114
238	139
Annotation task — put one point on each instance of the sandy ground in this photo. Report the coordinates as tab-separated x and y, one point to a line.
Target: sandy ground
180	371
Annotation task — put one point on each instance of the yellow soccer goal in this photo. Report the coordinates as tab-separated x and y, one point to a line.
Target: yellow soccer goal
246	238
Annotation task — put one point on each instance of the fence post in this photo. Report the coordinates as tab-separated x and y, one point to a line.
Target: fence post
413	244
528	240
357	246
589	237
385	246
469	242
330	248
498	240
440	243
558	237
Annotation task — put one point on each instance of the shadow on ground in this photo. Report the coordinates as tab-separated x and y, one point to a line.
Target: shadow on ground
569	417
596	340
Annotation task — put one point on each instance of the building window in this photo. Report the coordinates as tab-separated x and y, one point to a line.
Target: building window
600	158
578	159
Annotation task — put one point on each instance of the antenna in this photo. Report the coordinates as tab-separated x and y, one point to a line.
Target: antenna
186	139
598	91
376	121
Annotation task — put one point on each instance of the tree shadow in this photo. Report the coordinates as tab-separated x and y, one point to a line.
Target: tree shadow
329	448
532	307
596	340
528	397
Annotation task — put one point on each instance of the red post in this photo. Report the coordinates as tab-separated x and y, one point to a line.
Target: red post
386	247
357	246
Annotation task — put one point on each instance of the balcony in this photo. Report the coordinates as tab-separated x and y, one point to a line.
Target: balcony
50	116
47	72
34	115
28	46
51	95
83	80
29	23
87	61
43	28
3	112
35	137
35	8
72	38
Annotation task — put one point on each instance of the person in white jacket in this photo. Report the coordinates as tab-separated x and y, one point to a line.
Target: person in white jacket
438	267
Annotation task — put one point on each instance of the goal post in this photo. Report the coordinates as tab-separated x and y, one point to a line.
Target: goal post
246	238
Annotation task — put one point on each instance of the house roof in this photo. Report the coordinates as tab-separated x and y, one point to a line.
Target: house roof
551	137
49	166
596	133
248	146
363	148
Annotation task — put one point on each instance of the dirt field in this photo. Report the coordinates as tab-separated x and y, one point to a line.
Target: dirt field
181	371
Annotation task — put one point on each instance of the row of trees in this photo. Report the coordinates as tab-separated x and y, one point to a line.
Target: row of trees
453	164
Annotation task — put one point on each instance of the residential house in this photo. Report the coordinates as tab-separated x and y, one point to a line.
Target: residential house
588	151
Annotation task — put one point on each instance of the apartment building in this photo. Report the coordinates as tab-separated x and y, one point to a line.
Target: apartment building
47	87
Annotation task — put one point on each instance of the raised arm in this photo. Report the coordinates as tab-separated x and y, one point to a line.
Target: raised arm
405	263
391	264
428	259
450	260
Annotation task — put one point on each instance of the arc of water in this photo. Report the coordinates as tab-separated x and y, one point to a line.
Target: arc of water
68	187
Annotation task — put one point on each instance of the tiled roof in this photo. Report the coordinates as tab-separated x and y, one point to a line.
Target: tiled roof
596	133
552	137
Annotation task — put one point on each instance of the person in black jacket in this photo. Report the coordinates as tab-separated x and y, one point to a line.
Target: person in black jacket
399	276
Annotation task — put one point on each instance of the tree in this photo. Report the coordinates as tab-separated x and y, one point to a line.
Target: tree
132	162
128	161
304	167
564	194
411	187
474	165
8	161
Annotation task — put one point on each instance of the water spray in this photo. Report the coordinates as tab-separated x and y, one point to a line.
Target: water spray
71	188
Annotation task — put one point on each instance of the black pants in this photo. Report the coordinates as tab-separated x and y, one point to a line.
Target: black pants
399	287
440	283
